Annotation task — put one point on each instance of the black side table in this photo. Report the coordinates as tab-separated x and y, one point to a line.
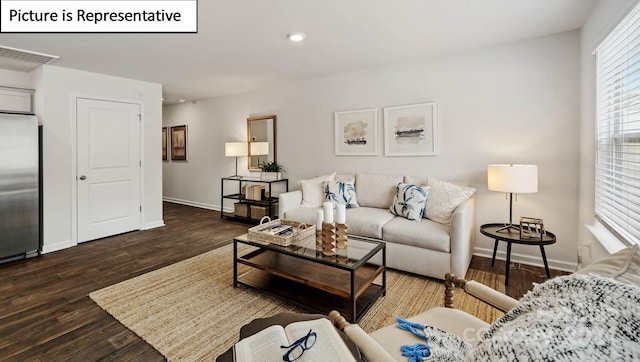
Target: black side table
513	236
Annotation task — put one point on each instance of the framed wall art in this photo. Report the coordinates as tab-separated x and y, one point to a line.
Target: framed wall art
179	143
165	135
356	132
411	130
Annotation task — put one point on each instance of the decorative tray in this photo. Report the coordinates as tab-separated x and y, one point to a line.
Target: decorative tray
280	232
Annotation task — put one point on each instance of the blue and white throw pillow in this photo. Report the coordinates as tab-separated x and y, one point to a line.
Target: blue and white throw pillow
409	201
340	192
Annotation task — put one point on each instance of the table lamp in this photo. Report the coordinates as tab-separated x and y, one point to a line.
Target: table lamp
512	179
259	149
236	149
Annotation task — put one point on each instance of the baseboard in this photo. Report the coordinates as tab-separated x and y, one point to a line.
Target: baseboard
49	248
527	259
195	204
153	225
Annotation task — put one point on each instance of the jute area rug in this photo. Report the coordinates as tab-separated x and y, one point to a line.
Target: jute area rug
189	311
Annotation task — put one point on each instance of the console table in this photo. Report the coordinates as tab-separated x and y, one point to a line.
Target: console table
269	202
511	236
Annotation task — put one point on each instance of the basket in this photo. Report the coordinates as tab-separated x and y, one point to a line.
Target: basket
258	212
301	231
241	209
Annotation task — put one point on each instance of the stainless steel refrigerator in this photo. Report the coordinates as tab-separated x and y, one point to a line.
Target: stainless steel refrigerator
19	187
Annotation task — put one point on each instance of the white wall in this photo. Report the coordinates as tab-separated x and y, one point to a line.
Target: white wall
605	16
516	103
57	89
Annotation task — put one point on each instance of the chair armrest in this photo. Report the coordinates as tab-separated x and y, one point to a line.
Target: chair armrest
462	236
490	296
371	350
287	201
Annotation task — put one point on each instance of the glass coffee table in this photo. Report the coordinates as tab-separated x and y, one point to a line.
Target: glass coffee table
349	282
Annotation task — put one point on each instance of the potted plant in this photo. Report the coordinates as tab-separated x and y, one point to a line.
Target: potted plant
271	170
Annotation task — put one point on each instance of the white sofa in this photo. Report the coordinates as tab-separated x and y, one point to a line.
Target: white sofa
426	247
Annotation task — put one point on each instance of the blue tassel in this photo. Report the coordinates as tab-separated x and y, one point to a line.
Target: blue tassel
415	328
416	352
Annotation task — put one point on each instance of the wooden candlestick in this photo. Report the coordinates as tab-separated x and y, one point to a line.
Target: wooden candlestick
341	236
328	239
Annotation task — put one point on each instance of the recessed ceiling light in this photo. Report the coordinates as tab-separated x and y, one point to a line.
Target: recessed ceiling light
181	100
296	36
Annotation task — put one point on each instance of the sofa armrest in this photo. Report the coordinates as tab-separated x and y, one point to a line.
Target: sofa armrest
287	201
490	296
463	237
371	350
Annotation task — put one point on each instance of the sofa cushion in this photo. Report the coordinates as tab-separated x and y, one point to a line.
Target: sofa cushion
409	201
416	180
443	199
312	192
623	266
426	234
340	192
376	190
368	221
306	215
345	178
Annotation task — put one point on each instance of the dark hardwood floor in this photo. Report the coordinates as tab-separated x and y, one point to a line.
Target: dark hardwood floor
45	311
47	315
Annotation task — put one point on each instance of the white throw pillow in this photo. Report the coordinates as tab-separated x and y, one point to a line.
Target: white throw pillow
409	201
443	199
312	190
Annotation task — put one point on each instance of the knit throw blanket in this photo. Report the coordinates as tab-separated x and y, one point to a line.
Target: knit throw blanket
571	318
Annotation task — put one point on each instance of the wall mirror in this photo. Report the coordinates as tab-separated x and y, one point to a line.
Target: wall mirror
261	136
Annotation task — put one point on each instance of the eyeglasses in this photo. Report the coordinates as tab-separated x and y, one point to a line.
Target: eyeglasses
298	347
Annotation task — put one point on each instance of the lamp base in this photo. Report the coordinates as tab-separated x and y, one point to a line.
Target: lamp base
508	227
236	176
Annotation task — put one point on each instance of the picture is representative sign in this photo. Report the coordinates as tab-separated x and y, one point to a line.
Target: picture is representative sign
98	16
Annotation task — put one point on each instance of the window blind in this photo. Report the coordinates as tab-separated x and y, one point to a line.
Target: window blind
617	184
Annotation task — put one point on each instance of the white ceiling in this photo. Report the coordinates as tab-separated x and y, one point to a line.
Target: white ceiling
241	45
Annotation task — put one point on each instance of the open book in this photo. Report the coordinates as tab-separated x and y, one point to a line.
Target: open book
264	346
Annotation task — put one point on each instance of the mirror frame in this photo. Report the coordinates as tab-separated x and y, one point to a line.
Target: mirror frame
275	143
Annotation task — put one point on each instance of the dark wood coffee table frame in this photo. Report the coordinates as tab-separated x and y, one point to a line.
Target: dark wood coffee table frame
312	281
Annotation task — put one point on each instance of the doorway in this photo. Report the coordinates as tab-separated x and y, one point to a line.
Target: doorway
108	168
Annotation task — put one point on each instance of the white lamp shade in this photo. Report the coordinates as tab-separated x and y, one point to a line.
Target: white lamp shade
518	179
235	149
259	148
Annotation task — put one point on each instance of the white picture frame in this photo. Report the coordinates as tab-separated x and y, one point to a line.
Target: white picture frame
411	130
356	132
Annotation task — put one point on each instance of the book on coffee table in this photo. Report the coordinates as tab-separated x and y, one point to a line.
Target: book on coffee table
265	345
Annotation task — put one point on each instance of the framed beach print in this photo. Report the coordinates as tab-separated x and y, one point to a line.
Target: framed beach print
411	130
356	132
179	143
165	135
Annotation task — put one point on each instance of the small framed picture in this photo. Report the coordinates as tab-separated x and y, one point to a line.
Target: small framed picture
179	143
165	150
411	130
356	132
531	228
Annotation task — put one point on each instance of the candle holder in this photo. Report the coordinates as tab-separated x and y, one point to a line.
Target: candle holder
328	239
341	236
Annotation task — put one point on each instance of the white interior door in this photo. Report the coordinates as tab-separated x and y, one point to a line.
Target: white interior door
108	168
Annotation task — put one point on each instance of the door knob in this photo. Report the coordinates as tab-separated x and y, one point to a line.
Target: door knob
83	177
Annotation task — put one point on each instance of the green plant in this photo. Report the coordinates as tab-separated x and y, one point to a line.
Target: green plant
271	167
